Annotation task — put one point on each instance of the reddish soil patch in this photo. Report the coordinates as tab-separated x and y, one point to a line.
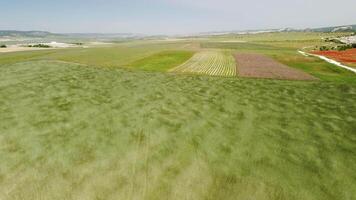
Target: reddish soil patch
348	56
260	66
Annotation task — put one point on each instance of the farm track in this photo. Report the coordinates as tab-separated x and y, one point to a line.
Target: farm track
213	63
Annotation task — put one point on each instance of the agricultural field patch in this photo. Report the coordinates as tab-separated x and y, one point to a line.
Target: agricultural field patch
237	46
260	66
162	61
347	56
213	63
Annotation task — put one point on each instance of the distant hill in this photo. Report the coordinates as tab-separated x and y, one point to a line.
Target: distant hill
346	28
11	33
44	34
105	35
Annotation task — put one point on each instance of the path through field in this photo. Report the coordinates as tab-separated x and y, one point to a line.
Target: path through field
214	63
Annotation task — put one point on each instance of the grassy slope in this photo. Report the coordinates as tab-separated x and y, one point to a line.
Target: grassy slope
162	61
76	132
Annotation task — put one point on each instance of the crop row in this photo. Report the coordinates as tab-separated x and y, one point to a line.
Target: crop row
214	63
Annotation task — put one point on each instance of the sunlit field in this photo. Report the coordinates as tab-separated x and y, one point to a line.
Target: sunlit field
118	122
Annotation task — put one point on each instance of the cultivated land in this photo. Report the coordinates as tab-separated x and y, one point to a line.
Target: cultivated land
96	123
347	57
210	62
260	66
283	47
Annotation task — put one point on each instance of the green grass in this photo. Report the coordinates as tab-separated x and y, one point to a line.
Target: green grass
119	55
69	131
162	61
280	39
238	46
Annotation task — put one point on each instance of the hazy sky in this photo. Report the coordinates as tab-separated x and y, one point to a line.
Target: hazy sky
172	16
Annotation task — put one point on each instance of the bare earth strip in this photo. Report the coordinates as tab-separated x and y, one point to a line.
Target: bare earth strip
260	66
213	63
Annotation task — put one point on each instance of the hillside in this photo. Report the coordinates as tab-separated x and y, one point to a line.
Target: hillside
13	33
346	28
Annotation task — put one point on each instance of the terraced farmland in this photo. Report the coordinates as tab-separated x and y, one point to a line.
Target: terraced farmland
214	63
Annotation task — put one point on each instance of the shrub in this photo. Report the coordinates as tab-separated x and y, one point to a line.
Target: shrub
345	47
336	41
3	46
323	48
40	46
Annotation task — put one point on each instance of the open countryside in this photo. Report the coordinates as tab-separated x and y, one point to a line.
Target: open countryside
251	114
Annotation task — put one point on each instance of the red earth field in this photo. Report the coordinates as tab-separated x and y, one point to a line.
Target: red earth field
348	56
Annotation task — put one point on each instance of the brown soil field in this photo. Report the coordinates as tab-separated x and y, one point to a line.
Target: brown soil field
260	66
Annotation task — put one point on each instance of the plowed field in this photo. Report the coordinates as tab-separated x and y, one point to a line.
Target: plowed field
260	66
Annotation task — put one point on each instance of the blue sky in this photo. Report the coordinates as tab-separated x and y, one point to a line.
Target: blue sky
171	16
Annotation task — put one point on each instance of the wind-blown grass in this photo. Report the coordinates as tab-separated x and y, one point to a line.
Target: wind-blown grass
77	132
